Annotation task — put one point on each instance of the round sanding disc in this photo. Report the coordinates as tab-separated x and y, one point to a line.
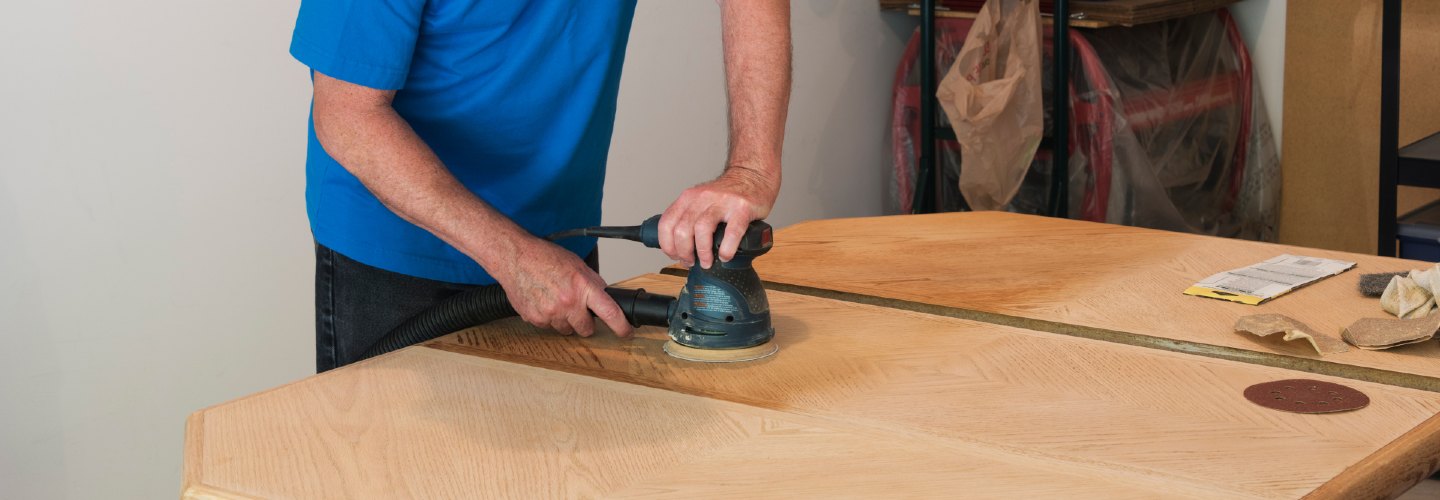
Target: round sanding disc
719	355
1306	396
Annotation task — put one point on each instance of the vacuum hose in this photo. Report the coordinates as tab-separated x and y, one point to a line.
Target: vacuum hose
488	303
457	312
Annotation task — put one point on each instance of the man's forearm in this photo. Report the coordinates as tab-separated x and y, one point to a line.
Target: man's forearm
756	36
377	146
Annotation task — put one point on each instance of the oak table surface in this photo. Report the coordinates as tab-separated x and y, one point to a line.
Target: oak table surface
1109	282
860	401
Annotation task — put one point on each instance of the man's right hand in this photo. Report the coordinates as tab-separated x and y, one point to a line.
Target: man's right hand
552	288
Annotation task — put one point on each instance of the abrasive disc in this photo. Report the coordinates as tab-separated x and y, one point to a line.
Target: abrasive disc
688	353
1306	396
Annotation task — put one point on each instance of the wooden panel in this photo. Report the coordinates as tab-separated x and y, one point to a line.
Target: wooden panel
425	423
1332	115
1130	414
1115	283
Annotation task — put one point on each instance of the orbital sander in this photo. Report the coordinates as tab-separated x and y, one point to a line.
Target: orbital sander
721	315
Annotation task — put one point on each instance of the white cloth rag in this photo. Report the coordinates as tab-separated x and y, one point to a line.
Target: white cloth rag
1413	296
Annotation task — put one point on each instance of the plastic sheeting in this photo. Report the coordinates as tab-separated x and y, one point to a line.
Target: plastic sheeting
905	122
1168	131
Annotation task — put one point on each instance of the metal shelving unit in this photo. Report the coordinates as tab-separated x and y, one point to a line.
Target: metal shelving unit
1417	164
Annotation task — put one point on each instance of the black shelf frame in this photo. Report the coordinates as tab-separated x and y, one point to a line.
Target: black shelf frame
930	176
1389	124
1416	164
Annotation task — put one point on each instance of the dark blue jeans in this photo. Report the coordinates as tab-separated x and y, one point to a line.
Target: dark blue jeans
356	305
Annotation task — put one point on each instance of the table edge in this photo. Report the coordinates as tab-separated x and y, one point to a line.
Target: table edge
1391	470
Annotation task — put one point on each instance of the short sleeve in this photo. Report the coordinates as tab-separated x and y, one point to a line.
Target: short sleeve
365	42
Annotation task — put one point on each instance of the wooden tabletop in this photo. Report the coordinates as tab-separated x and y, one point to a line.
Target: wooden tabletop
860	401
1114	283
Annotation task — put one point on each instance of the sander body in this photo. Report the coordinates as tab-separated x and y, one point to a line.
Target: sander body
722	313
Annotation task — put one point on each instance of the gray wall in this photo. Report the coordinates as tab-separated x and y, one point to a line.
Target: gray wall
1262	25
671	127
154	255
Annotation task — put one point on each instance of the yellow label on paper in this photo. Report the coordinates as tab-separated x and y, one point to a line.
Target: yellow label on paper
1200	291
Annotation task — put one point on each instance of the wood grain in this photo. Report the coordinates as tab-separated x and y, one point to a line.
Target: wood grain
1135	415
1114	283
425	423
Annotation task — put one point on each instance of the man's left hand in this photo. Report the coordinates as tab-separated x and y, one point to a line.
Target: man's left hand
740	195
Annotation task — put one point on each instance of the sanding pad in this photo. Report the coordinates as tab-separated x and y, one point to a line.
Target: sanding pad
1306	396
720	355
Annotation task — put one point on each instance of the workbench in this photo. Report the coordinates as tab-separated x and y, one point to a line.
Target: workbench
976	355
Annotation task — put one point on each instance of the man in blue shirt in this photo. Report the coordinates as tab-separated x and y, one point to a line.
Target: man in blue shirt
448	136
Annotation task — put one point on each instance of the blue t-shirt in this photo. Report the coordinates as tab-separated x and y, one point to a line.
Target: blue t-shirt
516	97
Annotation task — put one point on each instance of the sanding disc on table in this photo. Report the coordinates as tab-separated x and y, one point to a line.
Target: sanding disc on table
1306	396
720	355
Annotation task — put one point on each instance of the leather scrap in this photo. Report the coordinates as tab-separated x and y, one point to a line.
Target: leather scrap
1306	396
1264	325
1380	333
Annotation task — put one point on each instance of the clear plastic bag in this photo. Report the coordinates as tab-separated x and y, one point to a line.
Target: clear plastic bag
993	99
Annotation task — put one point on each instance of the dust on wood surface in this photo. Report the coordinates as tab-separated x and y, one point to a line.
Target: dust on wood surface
1128	411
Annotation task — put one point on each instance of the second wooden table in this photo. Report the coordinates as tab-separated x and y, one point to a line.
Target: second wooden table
1114	283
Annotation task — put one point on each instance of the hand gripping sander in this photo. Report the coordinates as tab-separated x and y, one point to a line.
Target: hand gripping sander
722	313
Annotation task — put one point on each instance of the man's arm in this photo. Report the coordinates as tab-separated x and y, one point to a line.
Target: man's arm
548	286
756	35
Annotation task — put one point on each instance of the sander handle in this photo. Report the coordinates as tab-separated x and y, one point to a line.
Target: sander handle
758	237
756	240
